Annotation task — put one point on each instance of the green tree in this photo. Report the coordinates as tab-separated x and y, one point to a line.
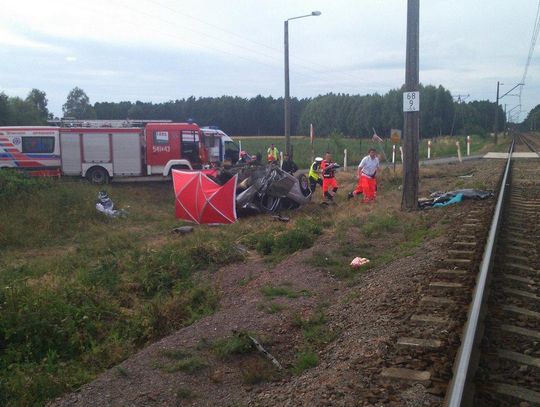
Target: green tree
4	110
23	113
532	122
78	105
38	100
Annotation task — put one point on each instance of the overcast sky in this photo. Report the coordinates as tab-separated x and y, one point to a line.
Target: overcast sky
159	50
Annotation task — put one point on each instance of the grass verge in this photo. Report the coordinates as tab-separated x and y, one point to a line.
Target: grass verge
80	292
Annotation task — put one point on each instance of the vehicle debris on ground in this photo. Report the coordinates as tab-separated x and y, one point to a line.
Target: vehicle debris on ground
105	205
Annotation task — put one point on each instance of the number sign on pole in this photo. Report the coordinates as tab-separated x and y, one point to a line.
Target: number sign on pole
411	101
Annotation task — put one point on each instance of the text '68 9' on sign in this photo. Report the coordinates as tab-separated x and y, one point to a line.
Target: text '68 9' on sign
411	101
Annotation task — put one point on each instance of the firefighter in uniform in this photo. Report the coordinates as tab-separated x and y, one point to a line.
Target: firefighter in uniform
314	174
329	183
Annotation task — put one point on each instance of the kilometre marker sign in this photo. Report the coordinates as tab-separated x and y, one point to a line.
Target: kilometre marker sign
411	101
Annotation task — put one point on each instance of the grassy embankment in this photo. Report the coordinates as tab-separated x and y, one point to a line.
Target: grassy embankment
357	148
80	292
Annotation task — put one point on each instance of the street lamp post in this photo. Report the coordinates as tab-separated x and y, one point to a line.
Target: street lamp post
287	95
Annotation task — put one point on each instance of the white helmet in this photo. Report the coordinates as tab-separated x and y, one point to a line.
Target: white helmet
318	159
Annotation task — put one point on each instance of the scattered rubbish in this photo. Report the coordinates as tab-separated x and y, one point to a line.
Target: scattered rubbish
265	352
243	250
438	199
281	218
465	176
359	261
183	230
456	199
105	205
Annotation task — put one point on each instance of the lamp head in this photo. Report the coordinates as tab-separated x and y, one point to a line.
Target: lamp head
315	13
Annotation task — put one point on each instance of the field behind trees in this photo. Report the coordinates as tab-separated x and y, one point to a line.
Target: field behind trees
357	148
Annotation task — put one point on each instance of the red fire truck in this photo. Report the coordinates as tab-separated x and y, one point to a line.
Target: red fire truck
105	150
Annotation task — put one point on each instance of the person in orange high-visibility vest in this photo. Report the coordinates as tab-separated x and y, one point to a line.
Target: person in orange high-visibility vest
367	172
329	183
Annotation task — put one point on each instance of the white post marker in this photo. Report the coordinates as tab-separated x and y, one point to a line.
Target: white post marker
280	159
401	151
458	151
393	153
345	160
240	146
468	146
428	149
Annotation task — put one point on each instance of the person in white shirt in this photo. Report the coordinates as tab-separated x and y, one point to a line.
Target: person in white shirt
367	181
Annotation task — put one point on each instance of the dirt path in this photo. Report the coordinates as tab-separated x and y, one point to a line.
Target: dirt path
363	315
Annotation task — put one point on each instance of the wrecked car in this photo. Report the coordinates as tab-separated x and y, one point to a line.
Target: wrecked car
266	188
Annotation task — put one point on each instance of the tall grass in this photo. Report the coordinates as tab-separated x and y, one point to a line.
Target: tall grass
281	241
79	292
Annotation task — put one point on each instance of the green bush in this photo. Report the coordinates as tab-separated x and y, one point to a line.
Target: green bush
314	328
190	365
305	360
164	314
43	213
272	292
14	183
35	322
236	344
300	237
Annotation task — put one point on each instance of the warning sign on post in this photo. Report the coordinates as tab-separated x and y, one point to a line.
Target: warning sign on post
411	101
395	136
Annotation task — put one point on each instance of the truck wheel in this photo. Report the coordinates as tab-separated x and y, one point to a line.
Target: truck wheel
304	184
97	175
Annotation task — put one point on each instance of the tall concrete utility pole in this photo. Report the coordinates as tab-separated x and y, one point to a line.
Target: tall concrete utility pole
287	101
496	124
411	110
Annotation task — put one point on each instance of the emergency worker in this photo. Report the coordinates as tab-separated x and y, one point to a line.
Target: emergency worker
329	183
367	172
314	174
245	158
289	165
272	154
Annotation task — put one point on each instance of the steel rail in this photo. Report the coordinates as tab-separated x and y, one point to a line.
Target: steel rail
528	144
462	371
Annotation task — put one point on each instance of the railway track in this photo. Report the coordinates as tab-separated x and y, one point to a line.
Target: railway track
484	352
528	142
498	362
509	369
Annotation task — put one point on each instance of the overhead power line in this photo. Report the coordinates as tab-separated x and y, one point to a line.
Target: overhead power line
309	68
536	30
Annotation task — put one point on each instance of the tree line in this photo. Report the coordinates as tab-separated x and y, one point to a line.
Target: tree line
350	115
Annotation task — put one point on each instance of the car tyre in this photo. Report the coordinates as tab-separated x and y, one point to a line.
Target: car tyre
304	184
